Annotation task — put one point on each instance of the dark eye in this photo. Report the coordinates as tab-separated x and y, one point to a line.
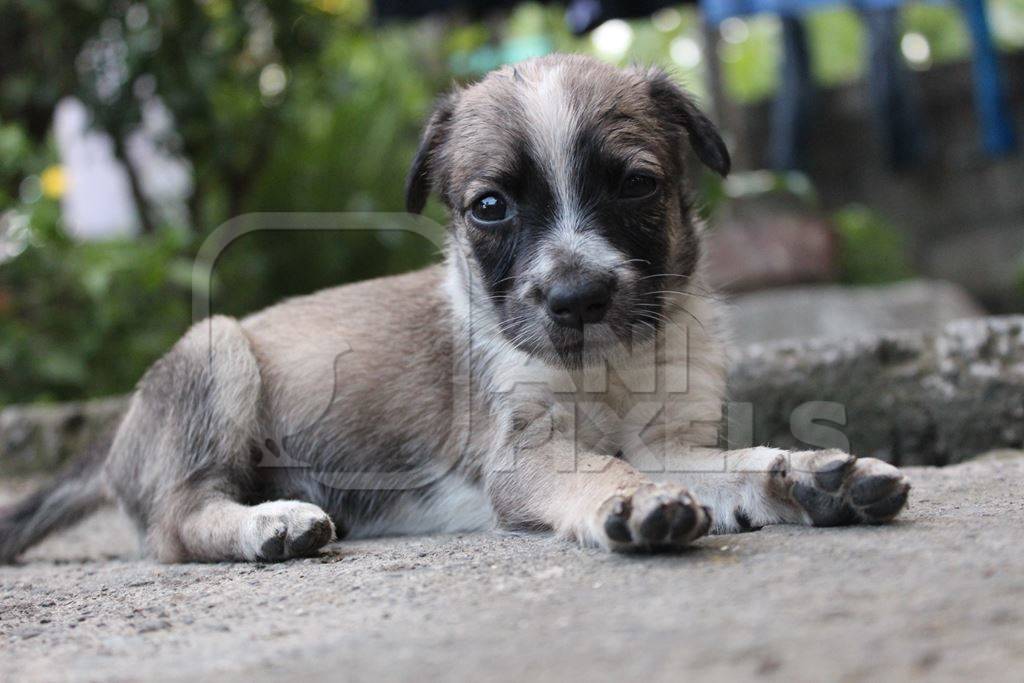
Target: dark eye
489	208
638	186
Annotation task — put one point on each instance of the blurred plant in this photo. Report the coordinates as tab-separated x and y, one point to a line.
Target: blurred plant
238	77
1007	20
751	54
715	193
279	106
294	105
871	250
760	183
86	319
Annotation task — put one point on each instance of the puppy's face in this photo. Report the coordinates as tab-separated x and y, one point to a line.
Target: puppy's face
564	179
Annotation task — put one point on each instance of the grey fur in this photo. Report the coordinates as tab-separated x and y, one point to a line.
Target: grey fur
74	493
443	400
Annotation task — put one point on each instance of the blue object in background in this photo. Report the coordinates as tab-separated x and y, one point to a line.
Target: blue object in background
791	113
896	109
717	11
989	93
888	82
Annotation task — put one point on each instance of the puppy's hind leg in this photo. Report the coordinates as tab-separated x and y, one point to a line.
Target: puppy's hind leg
181	462
221	529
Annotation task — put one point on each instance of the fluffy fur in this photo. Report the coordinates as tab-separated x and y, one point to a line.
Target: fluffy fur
451	398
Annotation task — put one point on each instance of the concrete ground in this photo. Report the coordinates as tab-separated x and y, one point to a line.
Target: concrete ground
937	596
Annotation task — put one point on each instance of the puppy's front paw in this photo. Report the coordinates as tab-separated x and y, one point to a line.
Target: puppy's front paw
652	517
838	489
283	529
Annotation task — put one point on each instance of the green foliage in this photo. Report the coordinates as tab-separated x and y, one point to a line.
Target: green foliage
837	45
1007	20
871	250
86	319
750	64
292	105
332	129
943	27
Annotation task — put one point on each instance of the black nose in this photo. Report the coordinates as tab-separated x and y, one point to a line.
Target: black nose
573	304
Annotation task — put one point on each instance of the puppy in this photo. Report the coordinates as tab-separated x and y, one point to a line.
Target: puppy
561	370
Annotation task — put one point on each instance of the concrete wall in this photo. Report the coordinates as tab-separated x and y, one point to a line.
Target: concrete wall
962	210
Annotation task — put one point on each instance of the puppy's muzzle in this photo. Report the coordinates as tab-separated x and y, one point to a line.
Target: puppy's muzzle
578	302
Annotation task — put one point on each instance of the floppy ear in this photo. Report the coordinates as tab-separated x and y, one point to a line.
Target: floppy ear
421	175
678	108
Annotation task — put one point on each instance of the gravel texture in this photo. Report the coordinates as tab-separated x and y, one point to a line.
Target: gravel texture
937	596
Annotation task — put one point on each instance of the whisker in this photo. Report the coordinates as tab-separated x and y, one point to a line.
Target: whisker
698	291
663	318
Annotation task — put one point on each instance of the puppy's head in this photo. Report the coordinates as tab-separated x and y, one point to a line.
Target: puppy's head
564	177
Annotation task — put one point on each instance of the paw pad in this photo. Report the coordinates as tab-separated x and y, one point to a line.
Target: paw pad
654	517
281	530
847	490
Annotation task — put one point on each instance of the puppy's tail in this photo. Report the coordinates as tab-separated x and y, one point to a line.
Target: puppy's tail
75	492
